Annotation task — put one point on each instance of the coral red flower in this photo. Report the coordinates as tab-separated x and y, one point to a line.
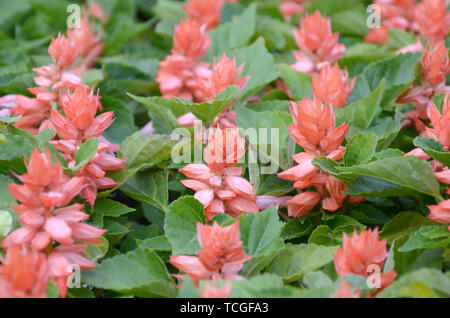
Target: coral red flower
221	257
433	20
333	86
359	252
441	123
440	213
435	64
224	73
316	40
218	185
63	52
190	40
289	8
24	273
205	12
315	128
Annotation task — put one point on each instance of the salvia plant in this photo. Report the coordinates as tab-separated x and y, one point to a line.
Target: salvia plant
219	148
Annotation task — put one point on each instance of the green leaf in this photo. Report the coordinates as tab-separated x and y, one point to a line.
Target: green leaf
107	207
209	110
163	111
295	229
6	222
408	171
362	113
373	187
403	223
350	22
259	64
297	260
85	153
422	283
145	150
140	272
261	286
360	149
123	125
157	243
431	236
433	148
398	72
233	34
333	168
149	187
181	225
299	83
96	251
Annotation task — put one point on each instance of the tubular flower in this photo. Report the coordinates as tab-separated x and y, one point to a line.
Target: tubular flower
224	73
80	122
218	184
46	187
314	127
344	290
178	72
362	252
24	273
398	14
46	219
222	255
333	86
88	43
318	42
435	64
190	40
433	20
440	213
289	8
205	12
441	123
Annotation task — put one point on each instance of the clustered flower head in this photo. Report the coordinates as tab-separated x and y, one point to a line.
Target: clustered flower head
435	67
78	125
360	254
315	130
50	225
318	43
221	256
81	44
440	131
218	184
333	86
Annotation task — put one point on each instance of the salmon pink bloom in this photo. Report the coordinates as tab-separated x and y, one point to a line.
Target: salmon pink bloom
46	187
221	257
32	111
212	291
303	203
205	12
360	252
224	73
345	291
87	42
63	52
190	40
333	86
435	64
441	123
433	20
80	123
218	184
24	273
316	40
314	127
289	8
440	213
